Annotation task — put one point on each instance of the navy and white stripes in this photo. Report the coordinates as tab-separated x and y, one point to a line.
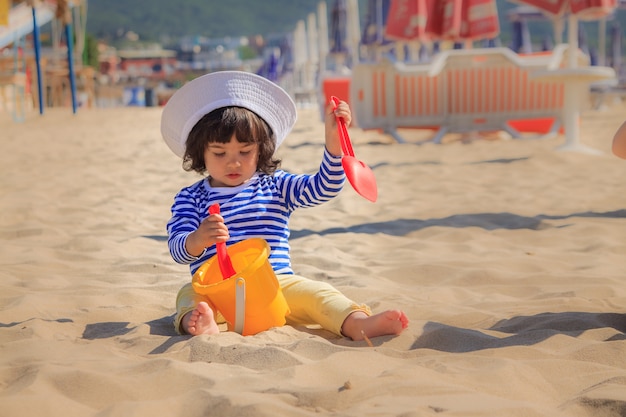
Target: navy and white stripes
259	208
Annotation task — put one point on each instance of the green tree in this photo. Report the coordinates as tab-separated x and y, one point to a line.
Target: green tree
90	55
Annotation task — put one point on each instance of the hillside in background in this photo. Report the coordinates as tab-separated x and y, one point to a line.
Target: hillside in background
160	20
166	21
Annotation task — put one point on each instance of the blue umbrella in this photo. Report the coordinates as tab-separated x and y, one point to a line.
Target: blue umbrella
436	47
70	63
375	21
521	37
339	27
582	40
593	56
424	54
615	37
37	42
270	67
63	13
546	44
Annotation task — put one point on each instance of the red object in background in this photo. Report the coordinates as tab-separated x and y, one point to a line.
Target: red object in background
592	9
455	20
434	23
470	19
583	9
479	19
541	125
403	20
414	20
451	21
336	86
553	7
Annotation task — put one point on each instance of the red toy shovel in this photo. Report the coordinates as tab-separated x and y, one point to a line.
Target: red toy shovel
360	175
226	266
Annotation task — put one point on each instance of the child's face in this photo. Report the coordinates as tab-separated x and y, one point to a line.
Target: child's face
231	164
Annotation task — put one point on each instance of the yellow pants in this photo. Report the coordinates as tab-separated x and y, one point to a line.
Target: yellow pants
310	302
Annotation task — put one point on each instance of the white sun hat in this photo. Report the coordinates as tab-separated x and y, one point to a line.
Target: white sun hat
223	89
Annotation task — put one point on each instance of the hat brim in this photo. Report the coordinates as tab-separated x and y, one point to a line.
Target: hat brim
224	89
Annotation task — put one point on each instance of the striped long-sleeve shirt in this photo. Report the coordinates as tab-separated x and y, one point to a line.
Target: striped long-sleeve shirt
261	207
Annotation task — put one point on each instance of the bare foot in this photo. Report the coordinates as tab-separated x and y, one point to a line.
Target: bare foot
359	325
200	321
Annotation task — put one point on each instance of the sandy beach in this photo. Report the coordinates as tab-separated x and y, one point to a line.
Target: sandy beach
508	256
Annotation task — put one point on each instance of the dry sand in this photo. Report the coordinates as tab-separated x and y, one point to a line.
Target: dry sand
508	256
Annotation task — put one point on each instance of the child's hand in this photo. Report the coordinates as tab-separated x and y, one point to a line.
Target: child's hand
333	143
211	230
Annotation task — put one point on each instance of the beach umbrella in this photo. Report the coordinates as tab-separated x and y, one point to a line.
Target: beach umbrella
427	21
520	17
312	39
520	39
339	28
574	10
270	67
410	20
546	44
353	28
37	44
300	52
593	56
615	38
64	15
423	54
491	43
583	9
375	22
322	30
470	20
576	80
582	40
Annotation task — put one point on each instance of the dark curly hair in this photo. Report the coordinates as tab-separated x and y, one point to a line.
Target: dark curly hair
219	126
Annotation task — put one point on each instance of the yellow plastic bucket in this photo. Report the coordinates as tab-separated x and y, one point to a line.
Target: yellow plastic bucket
251	301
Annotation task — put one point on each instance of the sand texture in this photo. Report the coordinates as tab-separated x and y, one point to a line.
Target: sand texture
508	256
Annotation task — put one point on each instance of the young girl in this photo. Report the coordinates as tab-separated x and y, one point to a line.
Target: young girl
227	126
619	142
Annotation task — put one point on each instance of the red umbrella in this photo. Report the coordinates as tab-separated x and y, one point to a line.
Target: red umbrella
576	79
575	10
592	9
583	9
414	20
456	20
470	20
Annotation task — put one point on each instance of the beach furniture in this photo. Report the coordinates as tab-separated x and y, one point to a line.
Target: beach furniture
473	90
13	93
576	79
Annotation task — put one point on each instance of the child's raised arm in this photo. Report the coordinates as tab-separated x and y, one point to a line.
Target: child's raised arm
333	143
619	142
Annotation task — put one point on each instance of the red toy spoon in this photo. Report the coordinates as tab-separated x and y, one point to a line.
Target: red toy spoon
226	266
358	173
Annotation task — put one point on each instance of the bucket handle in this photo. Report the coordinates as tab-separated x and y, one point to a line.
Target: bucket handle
240	304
